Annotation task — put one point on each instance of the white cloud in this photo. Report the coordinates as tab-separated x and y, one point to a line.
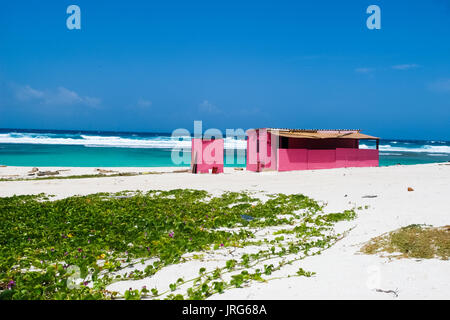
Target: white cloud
143	103
27	93
92	102
442	85
61	96
402	67
364	70
405	66
208	107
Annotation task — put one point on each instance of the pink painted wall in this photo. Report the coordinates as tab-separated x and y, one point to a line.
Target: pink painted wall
303	159
357	158
292	159
267	153
252	156
209	154
321	159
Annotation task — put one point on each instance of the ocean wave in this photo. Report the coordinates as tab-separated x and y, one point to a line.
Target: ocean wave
423	148
384	153
168	142
161	142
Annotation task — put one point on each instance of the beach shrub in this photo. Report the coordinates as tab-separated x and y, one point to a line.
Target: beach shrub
413	241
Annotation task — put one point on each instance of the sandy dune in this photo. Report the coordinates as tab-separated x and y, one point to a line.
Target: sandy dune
341	272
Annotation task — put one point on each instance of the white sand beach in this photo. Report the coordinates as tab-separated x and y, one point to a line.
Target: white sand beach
342	272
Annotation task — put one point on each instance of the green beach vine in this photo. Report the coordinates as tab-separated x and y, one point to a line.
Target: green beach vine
74	248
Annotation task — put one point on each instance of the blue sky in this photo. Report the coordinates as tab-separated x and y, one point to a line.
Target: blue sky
160	65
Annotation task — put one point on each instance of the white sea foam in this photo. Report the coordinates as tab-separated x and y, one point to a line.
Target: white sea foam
160	142
423	148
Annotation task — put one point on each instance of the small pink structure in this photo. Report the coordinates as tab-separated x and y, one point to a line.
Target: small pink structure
298	149
207	156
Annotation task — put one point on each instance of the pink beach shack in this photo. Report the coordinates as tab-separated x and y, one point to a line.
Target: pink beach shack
207	155
271	149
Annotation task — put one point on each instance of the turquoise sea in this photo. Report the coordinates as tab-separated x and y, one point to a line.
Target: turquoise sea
42	148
